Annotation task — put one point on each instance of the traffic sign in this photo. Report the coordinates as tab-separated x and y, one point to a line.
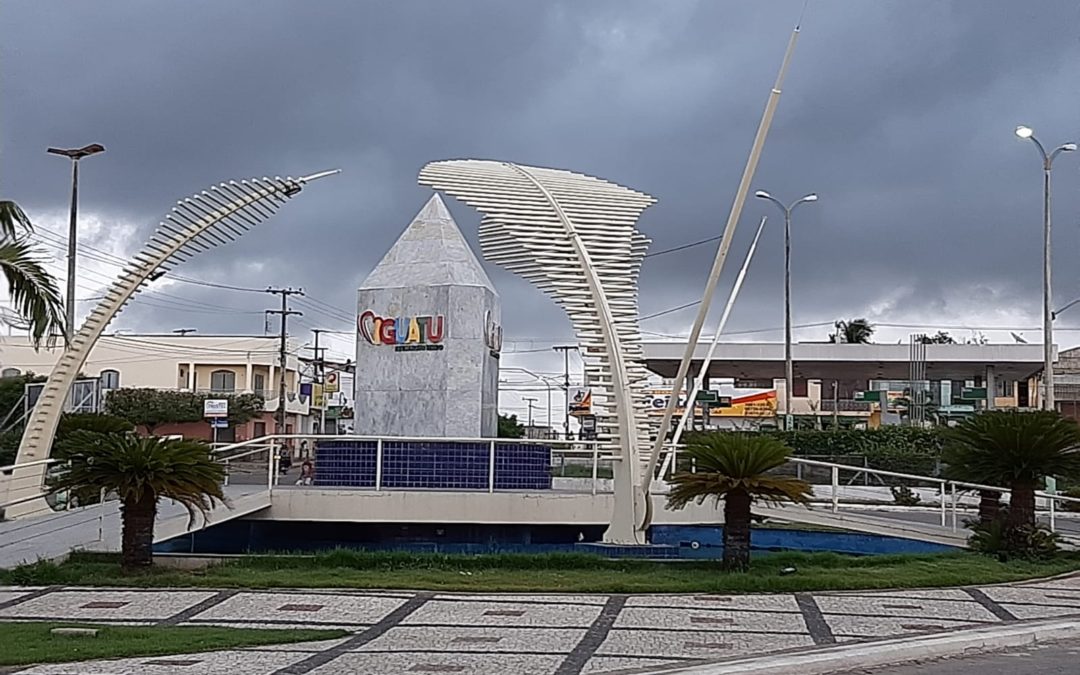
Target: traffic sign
219	423
973	393
216	407
869	396
706	396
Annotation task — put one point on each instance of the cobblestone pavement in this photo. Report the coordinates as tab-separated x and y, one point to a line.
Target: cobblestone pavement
406	632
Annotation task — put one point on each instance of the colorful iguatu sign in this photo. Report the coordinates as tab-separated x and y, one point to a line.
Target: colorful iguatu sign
406	333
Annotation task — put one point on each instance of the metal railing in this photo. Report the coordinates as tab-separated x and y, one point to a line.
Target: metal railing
585	466
578	466
947	494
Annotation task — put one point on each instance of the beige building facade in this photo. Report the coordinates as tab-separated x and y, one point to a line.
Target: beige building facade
204	364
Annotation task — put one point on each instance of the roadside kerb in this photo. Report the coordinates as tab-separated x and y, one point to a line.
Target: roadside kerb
890	652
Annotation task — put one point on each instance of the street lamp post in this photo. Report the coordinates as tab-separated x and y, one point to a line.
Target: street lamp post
74	154
547	385
788	366
1048	313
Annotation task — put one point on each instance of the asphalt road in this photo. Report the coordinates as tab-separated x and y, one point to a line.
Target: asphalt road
1066	525
1061	658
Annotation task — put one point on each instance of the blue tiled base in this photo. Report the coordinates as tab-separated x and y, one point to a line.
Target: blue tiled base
433	465
625	551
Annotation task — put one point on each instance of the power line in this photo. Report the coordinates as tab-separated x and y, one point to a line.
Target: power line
683	247
669	311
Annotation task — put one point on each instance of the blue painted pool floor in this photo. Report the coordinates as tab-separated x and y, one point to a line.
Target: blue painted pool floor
666	541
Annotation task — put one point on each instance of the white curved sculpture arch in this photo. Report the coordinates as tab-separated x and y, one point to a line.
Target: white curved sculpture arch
574	236
198	223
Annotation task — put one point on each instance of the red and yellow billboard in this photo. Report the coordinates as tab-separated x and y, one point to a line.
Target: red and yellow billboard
760	404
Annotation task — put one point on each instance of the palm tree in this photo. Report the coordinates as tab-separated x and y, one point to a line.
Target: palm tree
1013	449
33	291
855	331
141	471
735	467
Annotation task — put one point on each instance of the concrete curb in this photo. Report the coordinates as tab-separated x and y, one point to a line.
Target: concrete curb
890	652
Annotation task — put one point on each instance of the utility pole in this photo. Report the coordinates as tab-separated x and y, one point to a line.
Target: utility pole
320	364
285	313
530	401
566	349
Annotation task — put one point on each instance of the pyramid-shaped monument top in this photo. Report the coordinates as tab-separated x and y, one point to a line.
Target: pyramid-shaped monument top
430	252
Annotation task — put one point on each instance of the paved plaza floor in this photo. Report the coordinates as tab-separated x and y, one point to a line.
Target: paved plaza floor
425	632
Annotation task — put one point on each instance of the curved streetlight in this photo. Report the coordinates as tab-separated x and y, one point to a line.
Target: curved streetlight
1027	133
74	154
208	219
788	367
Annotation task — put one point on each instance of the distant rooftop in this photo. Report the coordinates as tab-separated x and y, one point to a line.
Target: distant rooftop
817	360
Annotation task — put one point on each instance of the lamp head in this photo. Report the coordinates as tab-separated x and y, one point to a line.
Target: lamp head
1069	147
761	194
78	153
812	197
1024	132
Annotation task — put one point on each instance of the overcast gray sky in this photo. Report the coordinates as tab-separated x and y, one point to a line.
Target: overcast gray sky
899	114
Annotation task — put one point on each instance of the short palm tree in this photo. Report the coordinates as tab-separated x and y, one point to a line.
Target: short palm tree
856	331
141	471
1014	449
33	291
735	468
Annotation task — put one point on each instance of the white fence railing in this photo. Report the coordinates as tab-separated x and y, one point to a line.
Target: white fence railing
578	466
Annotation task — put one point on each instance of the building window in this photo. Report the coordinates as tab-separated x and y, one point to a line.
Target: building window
799	388
260	430
10	372
110	379
223	380
258	382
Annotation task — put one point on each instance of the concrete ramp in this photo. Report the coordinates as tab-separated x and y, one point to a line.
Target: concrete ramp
861	521
97	528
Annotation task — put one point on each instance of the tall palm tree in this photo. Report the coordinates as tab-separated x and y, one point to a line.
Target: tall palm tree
141	471
855	331
735	467
33	291
1014	449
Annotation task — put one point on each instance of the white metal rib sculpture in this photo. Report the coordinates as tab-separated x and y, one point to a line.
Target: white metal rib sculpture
574	237
196	224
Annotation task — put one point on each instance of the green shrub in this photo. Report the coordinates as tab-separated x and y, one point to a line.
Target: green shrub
904	496
1029	542
902	449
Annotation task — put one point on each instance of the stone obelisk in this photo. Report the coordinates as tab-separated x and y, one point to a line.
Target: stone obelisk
428	337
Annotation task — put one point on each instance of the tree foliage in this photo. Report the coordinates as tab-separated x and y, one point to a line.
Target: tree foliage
1017	450
510	428
735	469
34	293
75	429
140	471
153	408
940	338
853	331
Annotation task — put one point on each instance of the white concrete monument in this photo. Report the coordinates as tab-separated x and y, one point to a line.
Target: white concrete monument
429	335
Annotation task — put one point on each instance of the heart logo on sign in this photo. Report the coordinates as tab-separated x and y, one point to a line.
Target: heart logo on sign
366	324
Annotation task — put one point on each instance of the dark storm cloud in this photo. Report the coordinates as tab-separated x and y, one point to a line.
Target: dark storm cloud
899	114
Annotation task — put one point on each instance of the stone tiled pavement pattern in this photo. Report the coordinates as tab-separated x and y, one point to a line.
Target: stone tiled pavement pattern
409	633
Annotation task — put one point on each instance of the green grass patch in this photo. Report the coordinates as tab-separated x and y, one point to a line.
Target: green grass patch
559	573
28	643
